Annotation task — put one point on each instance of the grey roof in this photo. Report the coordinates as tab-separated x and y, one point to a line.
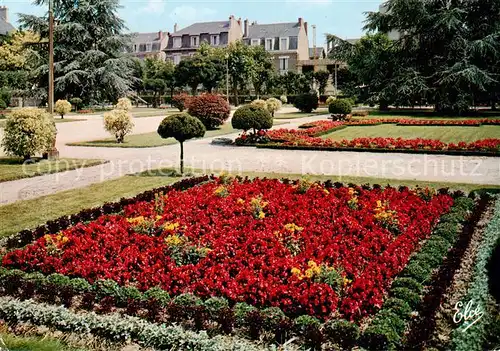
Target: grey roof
353	41
319	52
5	27
273	30
147	37
204	27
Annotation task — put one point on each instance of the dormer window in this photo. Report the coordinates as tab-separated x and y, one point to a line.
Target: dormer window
283	44
214	40
177	42
255	42
148	47
195	41
269	44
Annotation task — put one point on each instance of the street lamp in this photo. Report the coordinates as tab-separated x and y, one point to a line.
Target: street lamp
227	77
51	57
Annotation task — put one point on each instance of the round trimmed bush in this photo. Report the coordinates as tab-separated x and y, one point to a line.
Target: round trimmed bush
283	99
259	103
330	99
119	123
124	104
340	107
28	131
62	107
251	117
181	101
273	105
77	102
212	110
306	102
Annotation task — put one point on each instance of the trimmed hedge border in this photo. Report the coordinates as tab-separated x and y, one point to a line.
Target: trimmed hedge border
116	327
478	289
379	150
387	329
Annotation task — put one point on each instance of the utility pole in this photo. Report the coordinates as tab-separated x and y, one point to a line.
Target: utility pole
51	57
227	78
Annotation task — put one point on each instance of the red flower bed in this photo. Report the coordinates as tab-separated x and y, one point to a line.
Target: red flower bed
308	130
304	248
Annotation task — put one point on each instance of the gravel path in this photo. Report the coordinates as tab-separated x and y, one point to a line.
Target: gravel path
211	158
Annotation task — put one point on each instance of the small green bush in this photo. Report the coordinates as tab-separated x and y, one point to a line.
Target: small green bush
105	288
77	102
304	323
216	304
241	310
158	294
447	231
407	295
342	332
340	107
384	333
431	261
187	300
306	102
272	316
420	271
408	283
398	307
131	293
58	279
80	285
436	246
251	117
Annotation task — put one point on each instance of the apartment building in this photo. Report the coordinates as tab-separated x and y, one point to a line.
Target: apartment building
149	44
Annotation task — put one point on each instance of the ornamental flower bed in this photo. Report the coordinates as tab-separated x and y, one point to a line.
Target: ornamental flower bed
305	248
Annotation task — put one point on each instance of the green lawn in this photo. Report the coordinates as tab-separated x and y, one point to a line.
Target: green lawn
30	213
13	168
152	139
293	115
430	114
445	134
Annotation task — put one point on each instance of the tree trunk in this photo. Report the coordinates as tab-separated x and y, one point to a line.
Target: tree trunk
182	158
235	93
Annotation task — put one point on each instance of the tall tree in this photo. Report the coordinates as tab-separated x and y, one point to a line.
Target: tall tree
240	65
321	78
90	59
262	71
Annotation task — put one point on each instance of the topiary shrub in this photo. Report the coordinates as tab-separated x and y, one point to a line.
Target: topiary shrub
283	99
306	102
340	108
124	104
28	131
330	99
77	102
212	110
259	103
251	117
181	101
273	105
62	107
342	332
119	123
181	127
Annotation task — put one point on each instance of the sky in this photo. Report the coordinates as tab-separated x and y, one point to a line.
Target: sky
343	18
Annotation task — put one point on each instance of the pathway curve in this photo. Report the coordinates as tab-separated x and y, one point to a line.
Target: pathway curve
211	158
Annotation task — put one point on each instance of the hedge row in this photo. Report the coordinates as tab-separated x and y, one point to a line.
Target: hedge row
377	150
116	327
388	326
478	291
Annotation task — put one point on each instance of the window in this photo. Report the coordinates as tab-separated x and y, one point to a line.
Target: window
135	48
177	42
283	64
156	47
177	59
148	47
215	40
269	44
195	41
142	47
283	43
255	42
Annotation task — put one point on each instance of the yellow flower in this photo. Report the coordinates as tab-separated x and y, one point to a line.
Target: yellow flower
136	220
262	215
47	237
296	271
158	218
170	226
292	227
351	191
309	273
173	240
326	191
240	201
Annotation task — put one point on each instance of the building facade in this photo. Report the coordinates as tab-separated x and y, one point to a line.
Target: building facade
149	44
184	42
5	26
286	42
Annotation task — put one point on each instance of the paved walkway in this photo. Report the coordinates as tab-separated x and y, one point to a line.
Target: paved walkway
211	158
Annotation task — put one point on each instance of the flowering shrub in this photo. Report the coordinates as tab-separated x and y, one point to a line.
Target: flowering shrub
265	242
28	131
259	103
62	107
181	101
273	105
283	99
119	123
124	104
212	110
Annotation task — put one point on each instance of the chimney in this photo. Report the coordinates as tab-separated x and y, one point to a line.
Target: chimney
305	27
175	28
245	28
300	21
3	13
239	21
160	35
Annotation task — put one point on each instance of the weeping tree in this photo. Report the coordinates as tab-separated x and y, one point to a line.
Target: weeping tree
89	50
447	54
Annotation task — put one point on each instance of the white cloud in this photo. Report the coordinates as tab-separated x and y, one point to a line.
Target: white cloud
154	6
189	14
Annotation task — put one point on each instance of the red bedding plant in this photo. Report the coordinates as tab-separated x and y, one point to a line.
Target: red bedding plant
306	248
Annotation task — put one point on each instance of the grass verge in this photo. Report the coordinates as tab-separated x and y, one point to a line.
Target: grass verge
14	168
27	214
